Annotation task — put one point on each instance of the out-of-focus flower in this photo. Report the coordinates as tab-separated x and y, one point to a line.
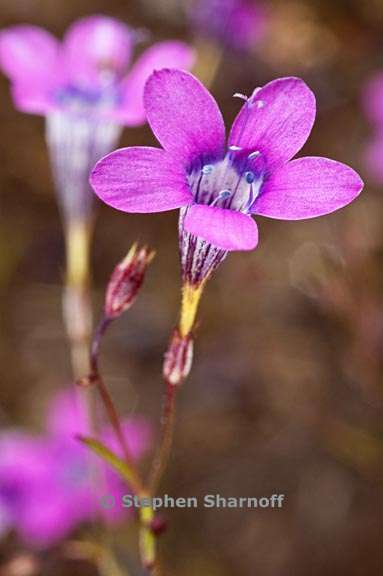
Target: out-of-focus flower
87	73
298	38
373	99
46	489
238	24
217	186
86	89
126	280
373	105
373	156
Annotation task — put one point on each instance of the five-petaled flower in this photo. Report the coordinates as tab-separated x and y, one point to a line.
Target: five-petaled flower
89	71
85	89
220	187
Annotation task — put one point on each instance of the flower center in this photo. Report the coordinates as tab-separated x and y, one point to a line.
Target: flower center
81	99
229	183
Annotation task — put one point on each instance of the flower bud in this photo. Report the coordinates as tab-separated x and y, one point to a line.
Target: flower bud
178	359
158	525
126	280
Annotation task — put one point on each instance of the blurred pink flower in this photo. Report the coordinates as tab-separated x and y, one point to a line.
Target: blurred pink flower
89	72
238	24
46	485
373	99
373	105
87	88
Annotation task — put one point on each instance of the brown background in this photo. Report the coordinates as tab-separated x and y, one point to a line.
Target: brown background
286	391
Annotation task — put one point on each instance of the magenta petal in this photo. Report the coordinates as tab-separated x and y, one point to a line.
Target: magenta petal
33	99
66	416
137	433
306	188
226	229
141	179
275	121
184	116
164	54
96	47
28	55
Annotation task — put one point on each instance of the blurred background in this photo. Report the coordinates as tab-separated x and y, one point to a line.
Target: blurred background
286	392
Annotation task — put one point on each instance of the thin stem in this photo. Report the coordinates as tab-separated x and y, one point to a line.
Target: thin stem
162	456
208	65
191	296
113	418
147	539
95	376
76	297
77	311
96	343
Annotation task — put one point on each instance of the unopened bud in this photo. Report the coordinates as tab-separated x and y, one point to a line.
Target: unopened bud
158	525
178	358
126	280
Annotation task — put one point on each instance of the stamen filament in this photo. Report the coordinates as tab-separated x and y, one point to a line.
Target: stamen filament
222	196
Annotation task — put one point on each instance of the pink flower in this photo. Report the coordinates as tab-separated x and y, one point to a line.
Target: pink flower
46	488
220	186
90	71
238	24
87	88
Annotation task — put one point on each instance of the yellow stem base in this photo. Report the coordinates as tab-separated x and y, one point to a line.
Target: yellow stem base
191	296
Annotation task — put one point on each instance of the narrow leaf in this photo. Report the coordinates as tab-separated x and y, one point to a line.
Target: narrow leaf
126	471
